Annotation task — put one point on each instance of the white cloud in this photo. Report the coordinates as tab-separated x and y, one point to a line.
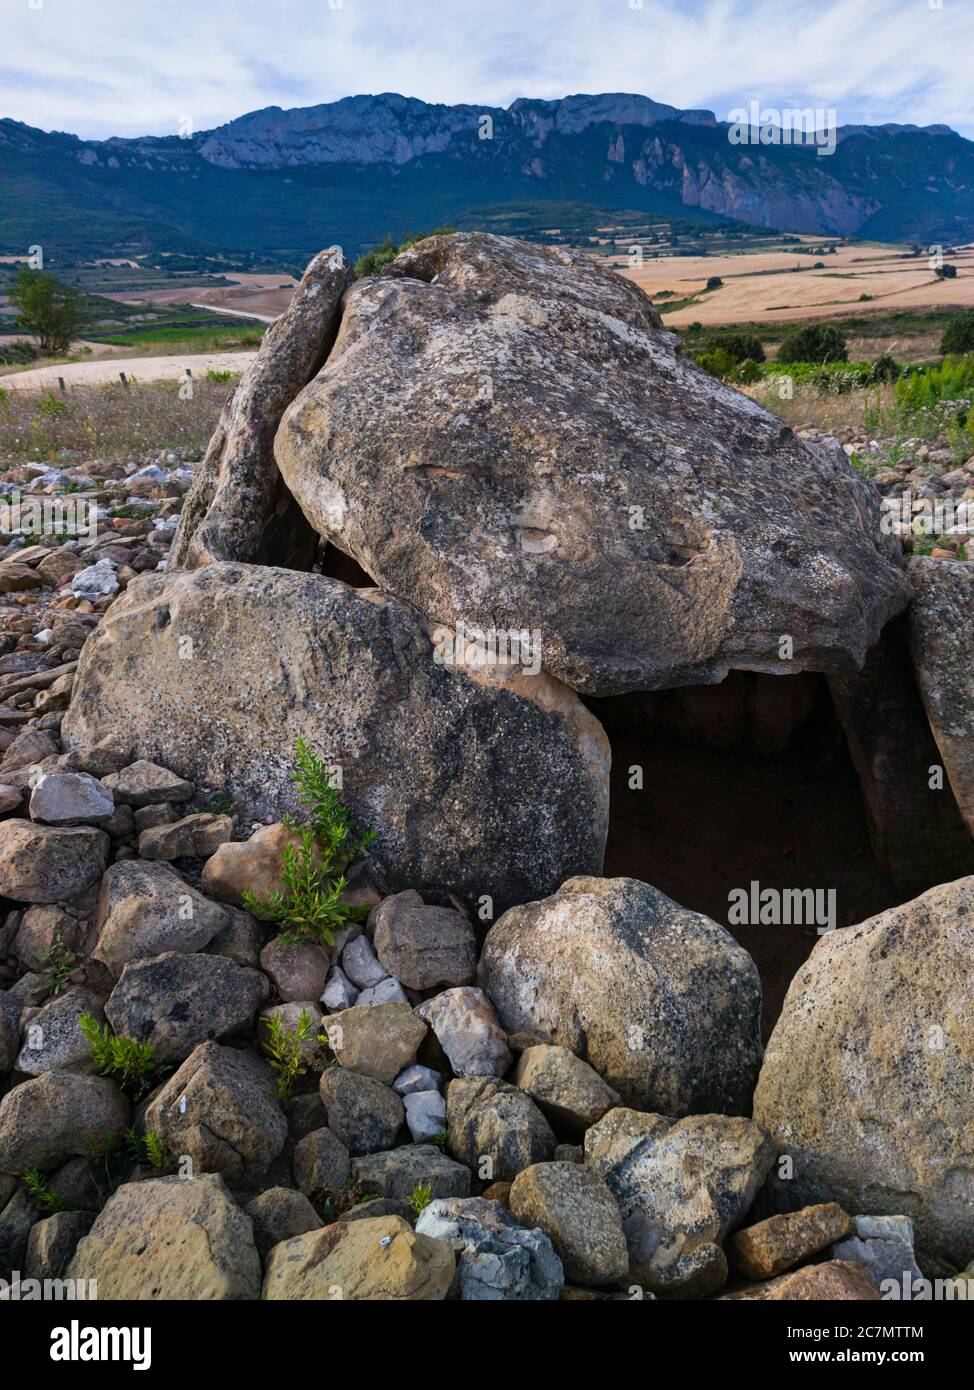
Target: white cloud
127	67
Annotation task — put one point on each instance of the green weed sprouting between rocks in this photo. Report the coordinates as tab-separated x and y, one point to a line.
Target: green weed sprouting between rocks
282	1047
113	1158
153	1153
40	1191
55	966
420	1197
310	907
133	1064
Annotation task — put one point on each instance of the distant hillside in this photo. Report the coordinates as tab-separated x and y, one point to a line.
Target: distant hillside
290	181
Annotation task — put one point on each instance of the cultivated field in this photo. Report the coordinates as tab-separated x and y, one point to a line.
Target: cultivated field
262	296
788	286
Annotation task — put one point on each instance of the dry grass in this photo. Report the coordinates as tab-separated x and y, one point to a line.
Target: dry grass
812	408
107	422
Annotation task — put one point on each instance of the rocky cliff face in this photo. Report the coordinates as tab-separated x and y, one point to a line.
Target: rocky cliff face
432	163
391	129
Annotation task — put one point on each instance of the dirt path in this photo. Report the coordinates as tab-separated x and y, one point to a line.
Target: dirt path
137	368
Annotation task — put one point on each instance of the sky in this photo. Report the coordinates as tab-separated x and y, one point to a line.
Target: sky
131	67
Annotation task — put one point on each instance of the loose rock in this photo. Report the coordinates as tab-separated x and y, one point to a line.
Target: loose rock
178	1001
662	1002
466	1028
681	1188
497	1259
576	1210
220	1109
381	1259
170	1239
495	1129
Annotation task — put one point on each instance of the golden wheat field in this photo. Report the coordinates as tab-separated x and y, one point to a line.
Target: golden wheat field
781	286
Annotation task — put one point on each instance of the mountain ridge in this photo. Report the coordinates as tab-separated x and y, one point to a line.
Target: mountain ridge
429	163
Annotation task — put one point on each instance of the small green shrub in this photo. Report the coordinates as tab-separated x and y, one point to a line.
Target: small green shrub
958	335
387	250
282	1047
153	1152
748	372
718	363
420	1197
55	965
40	1191
132	1063
310	907
49	406
953	380
740	345
815	342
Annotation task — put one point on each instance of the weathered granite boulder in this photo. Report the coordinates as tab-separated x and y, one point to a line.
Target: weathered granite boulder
48	863
215	673
580	1216
145	909
365	1115
238	508
53	1040
941	623
661	1001
495	1129
280	1213
396	1172
53	1241
178	1001
770	1247
868	1076
421	946
548	461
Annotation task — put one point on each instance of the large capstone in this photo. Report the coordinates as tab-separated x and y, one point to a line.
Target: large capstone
504	435
478	782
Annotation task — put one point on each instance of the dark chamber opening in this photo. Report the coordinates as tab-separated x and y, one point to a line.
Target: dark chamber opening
747	780
335	564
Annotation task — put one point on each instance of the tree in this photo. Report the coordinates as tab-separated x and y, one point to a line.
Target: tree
46	308
739	345
816	342
958	336
718	363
